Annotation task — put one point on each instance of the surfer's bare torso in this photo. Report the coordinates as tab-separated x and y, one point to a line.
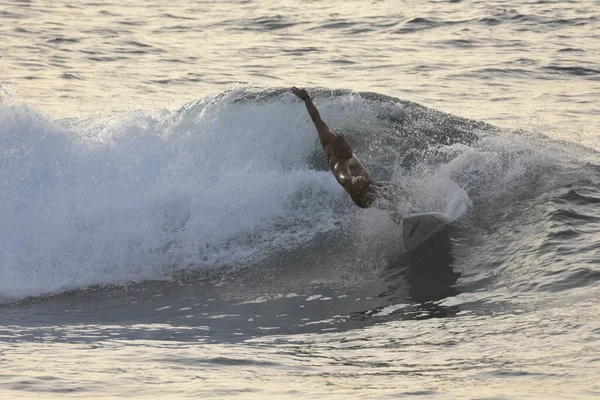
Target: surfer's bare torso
344	165
350	173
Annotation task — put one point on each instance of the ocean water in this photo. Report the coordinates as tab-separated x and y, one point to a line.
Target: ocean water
169	228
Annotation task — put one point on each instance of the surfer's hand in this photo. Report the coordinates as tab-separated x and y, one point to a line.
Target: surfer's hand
301	93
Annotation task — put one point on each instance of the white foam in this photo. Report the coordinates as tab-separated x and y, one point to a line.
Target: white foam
133	197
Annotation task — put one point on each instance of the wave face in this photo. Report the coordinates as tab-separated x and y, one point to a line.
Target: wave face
234	179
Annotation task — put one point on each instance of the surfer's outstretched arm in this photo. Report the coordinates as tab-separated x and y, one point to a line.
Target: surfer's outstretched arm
325	134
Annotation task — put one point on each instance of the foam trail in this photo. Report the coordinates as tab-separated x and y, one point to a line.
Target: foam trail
129	198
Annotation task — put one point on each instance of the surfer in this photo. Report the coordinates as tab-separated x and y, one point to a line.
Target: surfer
347	169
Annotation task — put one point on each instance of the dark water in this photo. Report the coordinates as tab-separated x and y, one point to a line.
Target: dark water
203	249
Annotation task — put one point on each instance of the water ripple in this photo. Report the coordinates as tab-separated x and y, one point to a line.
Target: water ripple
575	70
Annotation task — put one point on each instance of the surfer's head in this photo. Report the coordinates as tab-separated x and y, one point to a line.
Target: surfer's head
341	148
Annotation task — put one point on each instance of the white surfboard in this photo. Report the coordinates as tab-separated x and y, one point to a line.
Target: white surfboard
418	228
